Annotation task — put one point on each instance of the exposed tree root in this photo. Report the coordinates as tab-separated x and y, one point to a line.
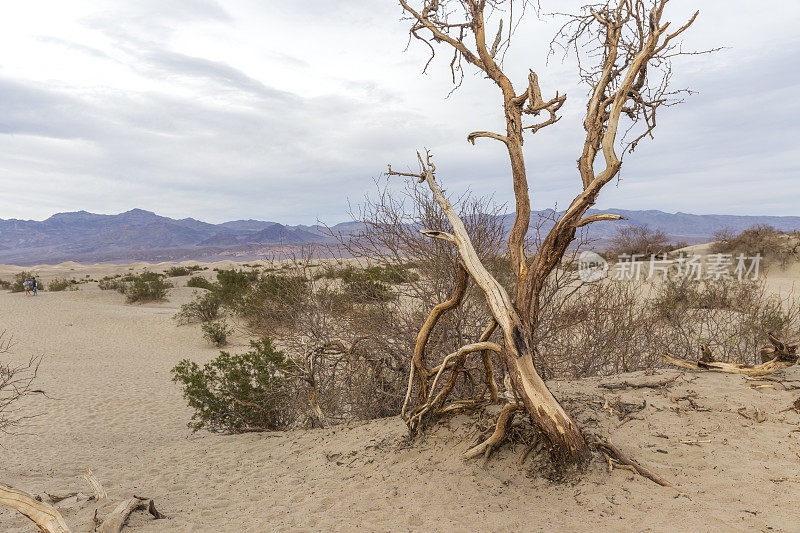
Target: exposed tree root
613	453
486	447
784	356
55	498
151	508
535	446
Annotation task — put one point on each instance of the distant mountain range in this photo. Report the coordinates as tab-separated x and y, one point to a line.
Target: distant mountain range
139	235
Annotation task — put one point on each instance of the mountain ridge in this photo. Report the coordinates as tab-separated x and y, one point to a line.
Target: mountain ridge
144	235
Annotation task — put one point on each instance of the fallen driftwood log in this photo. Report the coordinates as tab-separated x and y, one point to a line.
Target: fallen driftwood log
116	520
44	515
783	356
49	520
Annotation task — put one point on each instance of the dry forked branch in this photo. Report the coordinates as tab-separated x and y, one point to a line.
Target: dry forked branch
615	454
16	382
784	356
418	366
631	39
435	401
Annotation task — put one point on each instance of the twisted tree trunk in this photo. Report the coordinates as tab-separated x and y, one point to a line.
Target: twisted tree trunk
545	411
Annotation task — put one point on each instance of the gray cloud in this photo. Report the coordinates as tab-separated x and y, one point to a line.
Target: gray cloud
291	109
175	64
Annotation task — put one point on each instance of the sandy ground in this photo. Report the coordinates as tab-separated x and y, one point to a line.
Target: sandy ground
115	409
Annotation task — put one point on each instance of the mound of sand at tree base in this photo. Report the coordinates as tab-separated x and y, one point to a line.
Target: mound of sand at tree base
114	409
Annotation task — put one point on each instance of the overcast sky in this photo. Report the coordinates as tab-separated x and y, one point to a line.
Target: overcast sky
285	110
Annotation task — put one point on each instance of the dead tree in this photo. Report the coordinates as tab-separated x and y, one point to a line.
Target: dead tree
628	77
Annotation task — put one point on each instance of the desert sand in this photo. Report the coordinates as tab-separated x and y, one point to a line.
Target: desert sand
112	407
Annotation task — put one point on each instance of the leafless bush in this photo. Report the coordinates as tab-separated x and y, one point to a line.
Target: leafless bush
636	239
608	327
729	316
773	245
16	382
356	350
598	329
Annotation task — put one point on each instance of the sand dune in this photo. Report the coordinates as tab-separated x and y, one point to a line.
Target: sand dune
114	409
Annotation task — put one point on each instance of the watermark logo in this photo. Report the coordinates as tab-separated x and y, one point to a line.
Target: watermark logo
591	267
693	267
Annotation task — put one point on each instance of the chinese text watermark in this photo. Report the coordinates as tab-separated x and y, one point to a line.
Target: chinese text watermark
629	267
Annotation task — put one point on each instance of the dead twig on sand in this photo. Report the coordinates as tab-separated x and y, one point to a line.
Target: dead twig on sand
645	385
612	452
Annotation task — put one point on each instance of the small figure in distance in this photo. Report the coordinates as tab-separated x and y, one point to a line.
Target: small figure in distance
35	286
27	285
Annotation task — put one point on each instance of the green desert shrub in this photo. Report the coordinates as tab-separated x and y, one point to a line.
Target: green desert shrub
19	279
368	290
238	393
217	332
145	287
262	300
110	283
677	294
62	284
200	282
5	284
233	285
138	288
204	308
333	301
272	300
390	273
174	272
